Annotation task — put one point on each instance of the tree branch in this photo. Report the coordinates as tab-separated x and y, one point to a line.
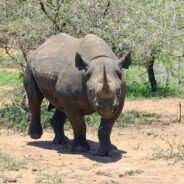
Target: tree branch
13	58
52	19
107	8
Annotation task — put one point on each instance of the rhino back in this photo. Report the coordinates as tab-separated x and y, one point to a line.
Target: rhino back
54	55
53	59
92	46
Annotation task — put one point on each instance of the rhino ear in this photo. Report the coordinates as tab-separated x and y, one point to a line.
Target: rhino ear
125	62
80	62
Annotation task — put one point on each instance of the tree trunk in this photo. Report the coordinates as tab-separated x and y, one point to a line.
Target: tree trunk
151	74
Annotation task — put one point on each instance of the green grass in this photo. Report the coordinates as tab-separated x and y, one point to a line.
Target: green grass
142	91
8	163
7	78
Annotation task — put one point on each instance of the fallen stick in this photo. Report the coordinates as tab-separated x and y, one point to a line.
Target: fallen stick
179	113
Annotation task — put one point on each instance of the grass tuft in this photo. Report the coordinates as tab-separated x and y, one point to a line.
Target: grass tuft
174	152
133	172
136	118
45	177
8	163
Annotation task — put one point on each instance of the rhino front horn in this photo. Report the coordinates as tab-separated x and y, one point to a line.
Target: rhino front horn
105	87
106	91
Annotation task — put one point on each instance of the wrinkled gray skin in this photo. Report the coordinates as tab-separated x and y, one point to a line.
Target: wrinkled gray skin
78	77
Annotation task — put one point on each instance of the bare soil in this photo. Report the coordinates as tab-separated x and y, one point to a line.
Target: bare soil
151	154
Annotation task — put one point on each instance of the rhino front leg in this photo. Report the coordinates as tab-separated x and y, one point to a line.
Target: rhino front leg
104	131
79	143
57	122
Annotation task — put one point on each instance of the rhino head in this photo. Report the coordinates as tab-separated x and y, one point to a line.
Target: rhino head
104	82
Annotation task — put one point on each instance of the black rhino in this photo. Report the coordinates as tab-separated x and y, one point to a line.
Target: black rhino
78	77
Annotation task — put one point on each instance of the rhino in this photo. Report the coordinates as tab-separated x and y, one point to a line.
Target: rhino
78	77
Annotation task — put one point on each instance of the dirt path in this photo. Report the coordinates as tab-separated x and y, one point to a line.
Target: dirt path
150	154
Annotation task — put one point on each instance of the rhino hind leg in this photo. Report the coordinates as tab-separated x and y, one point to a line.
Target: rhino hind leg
79	143
34	99
57	122
35	127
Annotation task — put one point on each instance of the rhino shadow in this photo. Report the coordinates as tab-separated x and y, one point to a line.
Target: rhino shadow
66	150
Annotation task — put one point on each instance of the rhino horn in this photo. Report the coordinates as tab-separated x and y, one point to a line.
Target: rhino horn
105	87
106	91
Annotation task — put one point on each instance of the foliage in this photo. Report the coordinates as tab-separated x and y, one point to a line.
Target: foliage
22	26
148	28
140	25
14	116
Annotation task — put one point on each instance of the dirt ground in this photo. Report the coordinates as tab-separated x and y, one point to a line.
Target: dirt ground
151	154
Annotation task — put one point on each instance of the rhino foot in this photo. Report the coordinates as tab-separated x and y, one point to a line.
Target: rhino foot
80	146
108	150
35	130
61	140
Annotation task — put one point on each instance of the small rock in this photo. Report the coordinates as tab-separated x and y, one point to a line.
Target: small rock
34	169
121	175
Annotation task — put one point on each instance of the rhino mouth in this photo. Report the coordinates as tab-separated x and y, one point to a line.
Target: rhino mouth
106	111
106	115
